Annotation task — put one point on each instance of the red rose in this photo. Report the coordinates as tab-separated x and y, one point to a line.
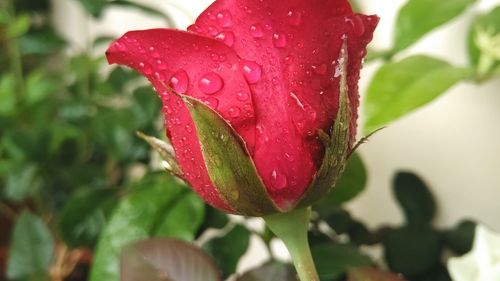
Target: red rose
274	72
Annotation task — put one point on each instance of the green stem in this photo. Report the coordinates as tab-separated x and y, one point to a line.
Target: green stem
16	64
291	228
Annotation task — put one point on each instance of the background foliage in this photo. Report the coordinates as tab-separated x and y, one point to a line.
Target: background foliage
78	187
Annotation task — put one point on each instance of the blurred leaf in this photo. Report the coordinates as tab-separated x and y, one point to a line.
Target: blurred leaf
417	17
339	220
489	23
85	215
166	260
38	87
19	26
7	95
371	274
228	250
270	271
415	198
146	107
94	7
401	87
360	235
31	249
140	215
460	238
332	259
214	219
22	183
412	250
351	183
40	43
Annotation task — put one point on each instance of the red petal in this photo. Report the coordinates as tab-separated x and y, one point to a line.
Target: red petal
297	44
201	68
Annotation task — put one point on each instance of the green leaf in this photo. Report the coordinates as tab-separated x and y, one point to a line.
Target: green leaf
85	215
166	260
461	237
19	26
228	162
412	250
22	183
415	199
351	183
228	250
31	249
43	42
140	215
418	17
270	271
7	95
332	259
489	25
38	87
401	87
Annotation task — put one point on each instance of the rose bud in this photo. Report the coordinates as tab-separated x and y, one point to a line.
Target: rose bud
260	98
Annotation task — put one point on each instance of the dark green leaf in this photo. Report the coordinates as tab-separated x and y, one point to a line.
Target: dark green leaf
7	95
352	183
271	271
412	250
228	250
31	248
332	259
94	7
460	238
22	183
40	43
415	198
213	219
401	87
417	17
339	220
85	215
140	215
166	260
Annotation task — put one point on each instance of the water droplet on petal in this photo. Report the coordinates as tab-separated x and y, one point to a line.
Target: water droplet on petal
357	24
188	128
278	180
289	157
234	112
224	19
320	69
180	81
194	28
227	37
212	30
294	18
120	46
252	71
212	102
279	40
242	95
256	31
211	83
146	69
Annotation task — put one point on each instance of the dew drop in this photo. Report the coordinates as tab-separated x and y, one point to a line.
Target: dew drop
161	65
188	128
210	83
256	31
289	157
278	180
279	40
227	37
194	28
146	69
212	30
234	112
120	46
212	102
242	96
357	24
252	71
224	19
180	81
320	69
294	18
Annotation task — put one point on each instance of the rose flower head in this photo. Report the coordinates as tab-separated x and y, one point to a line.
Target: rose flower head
260	97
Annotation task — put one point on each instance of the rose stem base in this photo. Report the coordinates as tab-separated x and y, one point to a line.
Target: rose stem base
291	228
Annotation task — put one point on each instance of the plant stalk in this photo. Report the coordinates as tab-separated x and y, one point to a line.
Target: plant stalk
292	228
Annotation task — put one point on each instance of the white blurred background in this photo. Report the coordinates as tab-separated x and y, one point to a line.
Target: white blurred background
454	143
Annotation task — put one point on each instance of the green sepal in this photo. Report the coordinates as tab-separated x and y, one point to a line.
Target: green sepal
165	150
336	143
229	165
